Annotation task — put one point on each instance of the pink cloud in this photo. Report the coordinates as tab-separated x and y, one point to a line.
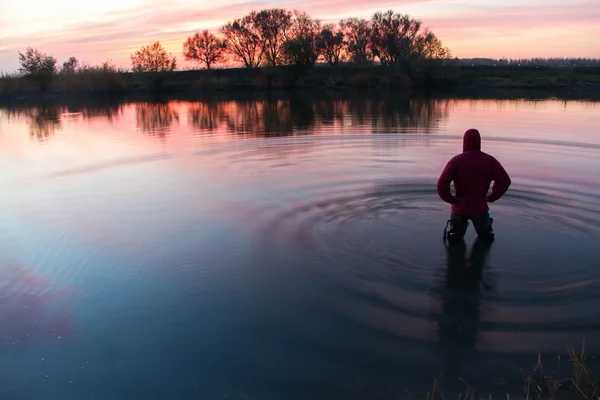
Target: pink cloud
121	32
522	33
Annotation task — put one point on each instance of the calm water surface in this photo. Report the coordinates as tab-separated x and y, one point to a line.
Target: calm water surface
287	248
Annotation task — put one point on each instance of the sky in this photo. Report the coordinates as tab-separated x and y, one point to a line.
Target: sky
110	30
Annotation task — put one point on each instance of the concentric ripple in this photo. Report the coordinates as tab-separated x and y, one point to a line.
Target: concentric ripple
371	251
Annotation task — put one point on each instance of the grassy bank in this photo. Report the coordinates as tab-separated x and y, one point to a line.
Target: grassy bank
430	76
561	378
100	82
87	81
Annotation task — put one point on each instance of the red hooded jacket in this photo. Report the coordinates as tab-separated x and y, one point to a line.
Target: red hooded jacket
472	172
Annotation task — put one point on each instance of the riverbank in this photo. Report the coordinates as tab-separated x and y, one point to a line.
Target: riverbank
567	377
346	77
361	100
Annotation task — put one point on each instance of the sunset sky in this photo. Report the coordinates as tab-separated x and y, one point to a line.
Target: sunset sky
96	31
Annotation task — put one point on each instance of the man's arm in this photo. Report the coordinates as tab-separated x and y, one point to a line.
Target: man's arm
443	183
501	182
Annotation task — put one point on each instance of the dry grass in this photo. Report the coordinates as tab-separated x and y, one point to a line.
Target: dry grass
577	382
103	79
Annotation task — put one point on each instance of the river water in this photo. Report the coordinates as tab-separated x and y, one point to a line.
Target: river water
272	248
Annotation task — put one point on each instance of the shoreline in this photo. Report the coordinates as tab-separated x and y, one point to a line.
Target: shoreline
466	92
342	79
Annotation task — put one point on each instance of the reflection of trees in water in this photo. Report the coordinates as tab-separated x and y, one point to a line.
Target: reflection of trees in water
299	115
155	118
243	117
258	117
422	114
270	117
43	122
45	119
276	118
330	111
98	110
207	115
388	113
303	114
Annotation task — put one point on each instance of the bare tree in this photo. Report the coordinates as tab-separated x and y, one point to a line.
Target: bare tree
205	48
357	33
272	26
243	42
153	58
300	47
330	44
393	36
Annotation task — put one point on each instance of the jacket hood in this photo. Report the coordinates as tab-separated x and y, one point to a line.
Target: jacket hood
472	140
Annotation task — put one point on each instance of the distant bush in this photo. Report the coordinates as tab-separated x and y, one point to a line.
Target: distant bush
103	78
70	66
15	85
37	67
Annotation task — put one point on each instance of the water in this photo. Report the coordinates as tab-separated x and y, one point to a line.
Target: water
287	248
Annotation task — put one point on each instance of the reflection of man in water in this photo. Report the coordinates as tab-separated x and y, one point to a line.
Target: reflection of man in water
458	325
472	172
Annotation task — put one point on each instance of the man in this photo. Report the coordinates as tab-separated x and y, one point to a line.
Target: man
472	172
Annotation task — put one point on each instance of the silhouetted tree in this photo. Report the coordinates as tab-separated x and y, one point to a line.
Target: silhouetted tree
330	44
70	66
300	48
272	26
427	53
398	39
243	42
358	34
205	48
427	45
392	36
153	58
37	67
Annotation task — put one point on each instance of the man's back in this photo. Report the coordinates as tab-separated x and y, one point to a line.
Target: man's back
472	172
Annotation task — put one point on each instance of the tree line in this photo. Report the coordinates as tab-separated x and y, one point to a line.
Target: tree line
277	36
272	37
555	62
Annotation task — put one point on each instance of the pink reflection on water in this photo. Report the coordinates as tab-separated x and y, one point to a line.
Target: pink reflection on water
32	306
